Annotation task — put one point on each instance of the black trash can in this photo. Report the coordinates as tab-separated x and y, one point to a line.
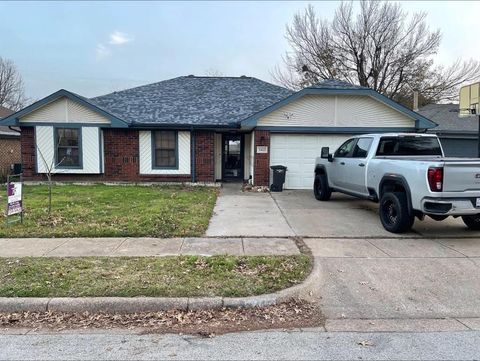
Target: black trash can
17	168
279	172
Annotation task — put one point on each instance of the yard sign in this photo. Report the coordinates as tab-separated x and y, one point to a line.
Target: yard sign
14	199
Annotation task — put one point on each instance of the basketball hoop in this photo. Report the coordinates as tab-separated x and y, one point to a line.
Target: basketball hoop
469	100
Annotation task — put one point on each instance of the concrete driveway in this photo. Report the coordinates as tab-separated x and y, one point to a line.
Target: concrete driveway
345	216
368	279
398	278
298	213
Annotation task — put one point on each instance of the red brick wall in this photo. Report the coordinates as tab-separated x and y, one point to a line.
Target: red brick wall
204	156
121	160
261	170
27	146
121	148
9	154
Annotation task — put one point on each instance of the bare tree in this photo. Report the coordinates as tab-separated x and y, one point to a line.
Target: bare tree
380	47
49	168
12	91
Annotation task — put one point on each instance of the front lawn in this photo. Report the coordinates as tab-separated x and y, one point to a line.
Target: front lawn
182	276
113	211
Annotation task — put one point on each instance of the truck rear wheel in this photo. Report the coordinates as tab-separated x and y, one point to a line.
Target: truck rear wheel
394	213
321	189
472	222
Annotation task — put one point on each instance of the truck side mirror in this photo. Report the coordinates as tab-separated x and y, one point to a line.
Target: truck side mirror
325	154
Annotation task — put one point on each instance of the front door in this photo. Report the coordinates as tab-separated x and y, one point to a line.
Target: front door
232	156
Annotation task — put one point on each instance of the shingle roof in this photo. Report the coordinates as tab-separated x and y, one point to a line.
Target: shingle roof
446	116
336	84
192	100
5	112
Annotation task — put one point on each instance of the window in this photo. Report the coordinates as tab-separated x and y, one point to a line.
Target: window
409	146
362	147
68	148
345	149
165	149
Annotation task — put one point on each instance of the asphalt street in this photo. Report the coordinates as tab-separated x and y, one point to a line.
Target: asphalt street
266	345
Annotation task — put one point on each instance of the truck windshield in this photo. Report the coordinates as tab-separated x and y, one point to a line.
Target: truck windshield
409	146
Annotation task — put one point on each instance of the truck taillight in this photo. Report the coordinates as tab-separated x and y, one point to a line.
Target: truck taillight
435	179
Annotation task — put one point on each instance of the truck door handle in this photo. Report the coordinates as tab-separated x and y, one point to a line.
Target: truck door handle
361	165
342	163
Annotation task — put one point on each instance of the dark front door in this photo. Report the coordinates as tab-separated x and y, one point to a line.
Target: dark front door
232	156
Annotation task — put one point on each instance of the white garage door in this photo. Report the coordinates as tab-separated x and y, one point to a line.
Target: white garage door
298	152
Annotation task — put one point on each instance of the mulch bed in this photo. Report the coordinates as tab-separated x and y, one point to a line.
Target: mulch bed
207	323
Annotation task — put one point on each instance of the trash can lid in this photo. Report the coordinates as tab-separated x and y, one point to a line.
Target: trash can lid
279	167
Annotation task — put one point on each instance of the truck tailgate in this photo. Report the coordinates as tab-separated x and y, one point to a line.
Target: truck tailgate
461	175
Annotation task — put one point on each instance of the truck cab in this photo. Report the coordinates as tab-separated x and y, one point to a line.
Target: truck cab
408	169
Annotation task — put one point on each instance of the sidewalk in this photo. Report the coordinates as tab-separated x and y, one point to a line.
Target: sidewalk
144	247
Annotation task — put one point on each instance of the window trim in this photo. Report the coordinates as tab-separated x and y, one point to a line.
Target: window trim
153	149
80	147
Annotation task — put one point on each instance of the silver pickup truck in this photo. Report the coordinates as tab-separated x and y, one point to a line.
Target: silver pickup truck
407	174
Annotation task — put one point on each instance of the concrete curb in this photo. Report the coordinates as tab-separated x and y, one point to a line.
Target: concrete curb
154	304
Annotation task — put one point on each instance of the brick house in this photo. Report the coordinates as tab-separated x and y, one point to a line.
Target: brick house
9	145
200	129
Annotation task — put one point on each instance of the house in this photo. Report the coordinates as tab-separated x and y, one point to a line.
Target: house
201	129
9	145
459	136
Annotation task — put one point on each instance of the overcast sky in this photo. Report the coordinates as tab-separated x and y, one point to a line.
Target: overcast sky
94	48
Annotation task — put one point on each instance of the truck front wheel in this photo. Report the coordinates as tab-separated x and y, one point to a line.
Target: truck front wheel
394	213
472	222
321	189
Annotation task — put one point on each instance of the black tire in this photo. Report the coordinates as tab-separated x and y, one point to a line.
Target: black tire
394	213
472	222
321	189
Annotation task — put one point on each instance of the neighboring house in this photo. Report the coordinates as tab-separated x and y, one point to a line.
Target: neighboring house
9	145
459	136
201	129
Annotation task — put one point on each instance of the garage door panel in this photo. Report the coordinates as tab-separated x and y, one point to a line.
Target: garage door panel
298	152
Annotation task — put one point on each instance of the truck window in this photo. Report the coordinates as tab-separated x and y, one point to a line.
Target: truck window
409	146
345	149
362	147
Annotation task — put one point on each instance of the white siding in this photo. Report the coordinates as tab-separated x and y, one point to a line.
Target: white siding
218	156
90	146
64	110
364	111
336	111
146	154
298	152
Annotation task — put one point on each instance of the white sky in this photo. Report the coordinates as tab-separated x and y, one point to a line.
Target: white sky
93	48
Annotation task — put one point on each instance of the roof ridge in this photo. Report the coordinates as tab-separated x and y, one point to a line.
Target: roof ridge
135	87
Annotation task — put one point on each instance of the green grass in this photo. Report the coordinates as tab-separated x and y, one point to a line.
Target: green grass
113	211
149	276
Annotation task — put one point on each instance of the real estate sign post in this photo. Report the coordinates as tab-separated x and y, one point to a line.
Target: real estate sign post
14	199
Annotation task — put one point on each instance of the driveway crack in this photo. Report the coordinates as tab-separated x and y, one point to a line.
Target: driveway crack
283	215
374	245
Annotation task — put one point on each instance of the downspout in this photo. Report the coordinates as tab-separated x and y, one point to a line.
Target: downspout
193	154
14	130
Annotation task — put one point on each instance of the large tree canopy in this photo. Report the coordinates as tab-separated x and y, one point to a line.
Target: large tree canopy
12	92
379	46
